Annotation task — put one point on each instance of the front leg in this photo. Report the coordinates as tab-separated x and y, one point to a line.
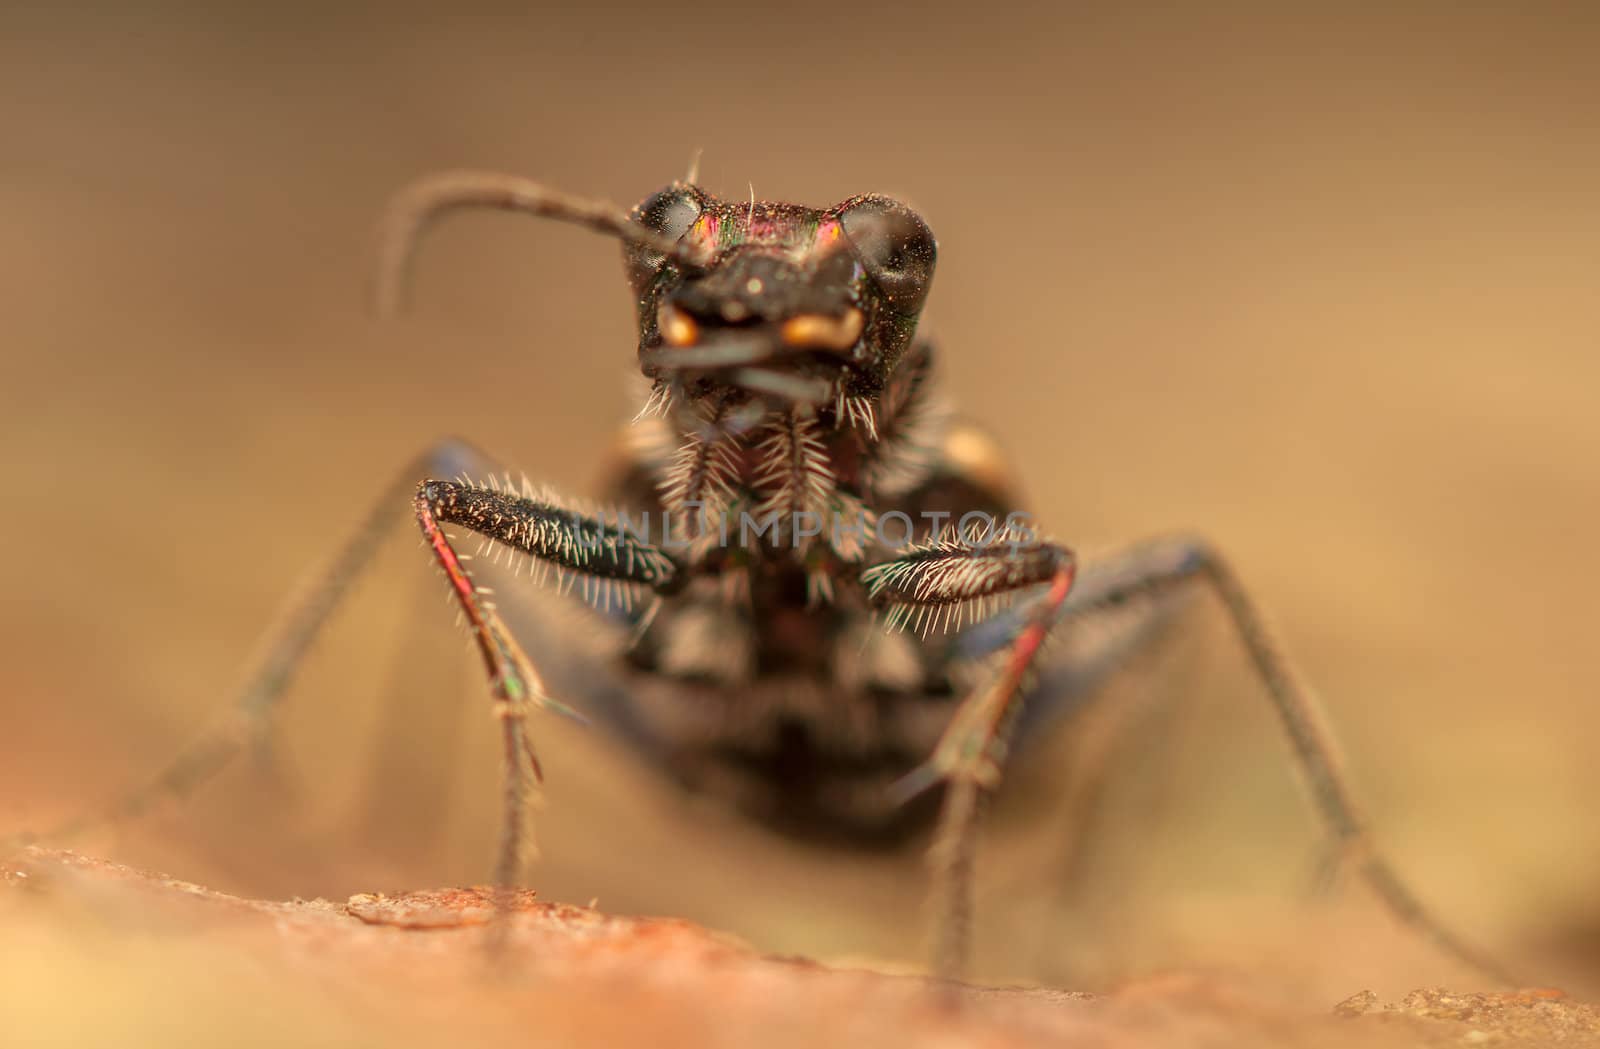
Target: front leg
969	753
951	576
592	550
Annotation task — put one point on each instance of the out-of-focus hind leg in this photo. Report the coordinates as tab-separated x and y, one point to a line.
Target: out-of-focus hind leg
1141	585
280	653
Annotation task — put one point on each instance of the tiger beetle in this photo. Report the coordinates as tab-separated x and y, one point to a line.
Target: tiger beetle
815	591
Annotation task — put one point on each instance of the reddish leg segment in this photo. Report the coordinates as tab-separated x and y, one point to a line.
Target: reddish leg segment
552	534
971	752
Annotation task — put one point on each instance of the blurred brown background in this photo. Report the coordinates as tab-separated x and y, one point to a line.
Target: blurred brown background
1318	283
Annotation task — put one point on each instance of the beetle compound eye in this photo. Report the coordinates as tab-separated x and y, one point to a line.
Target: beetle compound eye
895	247
671	212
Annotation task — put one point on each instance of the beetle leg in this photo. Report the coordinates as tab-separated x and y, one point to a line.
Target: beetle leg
567	539
970	753
968	758
280	653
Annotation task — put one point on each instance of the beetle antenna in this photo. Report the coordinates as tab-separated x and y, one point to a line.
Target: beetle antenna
417	207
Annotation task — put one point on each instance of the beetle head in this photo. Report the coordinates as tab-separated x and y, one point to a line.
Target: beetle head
777	301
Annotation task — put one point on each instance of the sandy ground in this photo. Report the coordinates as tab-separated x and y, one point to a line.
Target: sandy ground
465	965
1318	285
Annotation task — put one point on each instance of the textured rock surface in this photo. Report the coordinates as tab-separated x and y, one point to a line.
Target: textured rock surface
95	951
